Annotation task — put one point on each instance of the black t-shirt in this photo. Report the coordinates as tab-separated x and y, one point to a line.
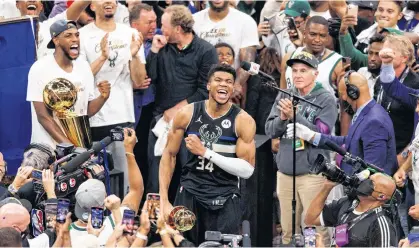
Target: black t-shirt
375	230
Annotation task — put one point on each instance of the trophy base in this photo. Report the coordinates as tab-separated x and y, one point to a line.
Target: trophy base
77	130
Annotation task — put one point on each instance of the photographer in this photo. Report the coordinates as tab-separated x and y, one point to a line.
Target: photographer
360	222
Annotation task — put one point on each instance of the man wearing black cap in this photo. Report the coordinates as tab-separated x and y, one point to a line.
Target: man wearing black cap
304	72
62	64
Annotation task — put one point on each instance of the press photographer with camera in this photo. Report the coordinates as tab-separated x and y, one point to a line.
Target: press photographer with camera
360	222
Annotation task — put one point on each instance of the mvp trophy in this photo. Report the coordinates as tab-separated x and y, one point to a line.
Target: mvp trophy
60	95
181	219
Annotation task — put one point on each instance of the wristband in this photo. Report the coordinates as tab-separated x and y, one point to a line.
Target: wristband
12	189
163	232
130	153
141	236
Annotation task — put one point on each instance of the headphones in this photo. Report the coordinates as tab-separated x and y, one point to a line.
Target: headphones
351	90
43	148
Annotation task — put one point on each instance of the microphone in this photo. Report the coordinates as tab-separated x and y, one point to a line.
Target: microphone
246	234
349	158
83	157
253	69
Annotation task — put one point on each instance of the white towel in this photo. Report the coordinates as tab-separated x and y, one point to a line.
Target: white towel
161	130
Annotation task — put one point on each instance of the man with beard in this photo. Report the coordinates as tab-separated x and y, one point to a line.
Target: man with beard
34	8
372	70
220	23
115	53
220	139
62	64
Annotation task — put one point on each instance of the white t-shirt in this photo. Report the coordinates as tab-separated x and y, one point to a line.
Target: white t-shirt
326	14
118	108
44	36
122	14
415	169
237	29
8	9
77	232
47	69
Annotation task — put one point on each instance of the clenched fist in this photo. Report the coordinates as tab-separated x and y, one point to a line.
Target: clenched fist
387	55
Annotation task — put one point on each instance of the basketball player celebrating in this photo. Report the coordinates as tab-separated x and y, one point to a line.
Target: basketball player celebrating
220	140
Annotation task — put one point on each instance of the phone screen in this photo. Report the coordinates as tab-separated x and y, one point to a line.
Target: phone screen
153	207
291	24
128	221
62	210
50	215
37	175
97	217
310	237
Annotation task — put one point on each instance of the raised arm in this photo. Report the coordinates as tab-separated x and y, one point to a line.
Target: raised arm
76	8
137	63
168	159
135	179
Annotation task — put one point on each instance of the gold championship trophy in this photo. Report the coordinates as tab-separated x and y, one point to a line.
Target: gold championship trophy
181	219
60	95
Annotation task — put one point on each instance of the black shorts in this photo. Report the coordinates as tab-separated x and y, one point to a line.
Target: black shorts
225	220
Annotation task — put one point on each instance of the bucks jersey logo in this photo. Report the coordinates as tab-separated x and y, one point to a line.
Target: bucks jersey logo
210	134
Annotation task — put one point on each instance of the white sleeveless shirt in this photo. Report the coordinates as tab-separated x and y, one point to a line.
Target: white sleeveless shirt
325	68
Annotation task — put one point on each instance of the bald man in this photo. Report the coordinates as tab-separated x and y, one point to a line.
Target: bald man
371	134
363	219
16	216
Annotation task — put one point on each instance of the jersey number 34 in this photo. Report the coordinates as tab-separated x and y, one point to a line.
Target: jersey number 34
202	166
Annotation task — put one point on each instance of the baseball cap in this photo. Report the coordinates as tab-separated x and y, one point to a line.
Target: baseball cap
91	193
295	8
57	28
365	4
25	203
392	31
305	58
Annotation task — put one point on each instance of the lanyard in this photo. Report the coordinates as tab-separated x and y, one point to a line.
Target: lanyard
358	218
381	92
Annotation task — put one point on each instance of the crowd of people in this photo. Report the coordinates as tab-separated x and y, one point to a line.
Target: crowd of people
174	77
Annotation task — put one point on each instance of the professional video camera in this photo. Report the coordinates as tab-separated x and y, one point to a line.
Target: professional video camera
74	163
217	239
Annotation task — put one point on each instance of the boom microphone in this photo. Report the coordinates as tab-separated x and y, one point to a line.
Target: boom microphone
253	69
83	157
349	158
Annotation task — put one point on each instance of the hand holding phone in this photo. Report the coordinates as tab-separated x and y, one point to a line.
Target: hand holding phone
62	210
128	221
310	237
96	215
153	208
346	63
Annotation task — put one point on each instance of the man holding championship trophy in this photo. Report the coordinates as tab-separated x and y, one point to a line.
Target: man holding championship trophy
219	137
65	79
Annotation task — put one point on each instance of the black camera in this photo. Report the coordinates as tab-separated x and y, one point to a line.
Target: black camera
333	173
217	239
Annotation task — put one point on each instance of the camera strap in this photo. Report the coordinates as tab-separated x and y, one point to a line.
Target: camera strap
355	221
107	177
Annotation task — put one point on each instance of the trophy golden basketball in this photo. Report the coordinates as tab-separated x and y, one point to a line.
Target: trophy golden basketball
60	95
181	219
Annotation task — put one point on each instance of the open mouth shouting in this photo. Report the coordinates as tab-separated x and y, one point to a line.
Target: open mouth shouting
74	50
222	94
